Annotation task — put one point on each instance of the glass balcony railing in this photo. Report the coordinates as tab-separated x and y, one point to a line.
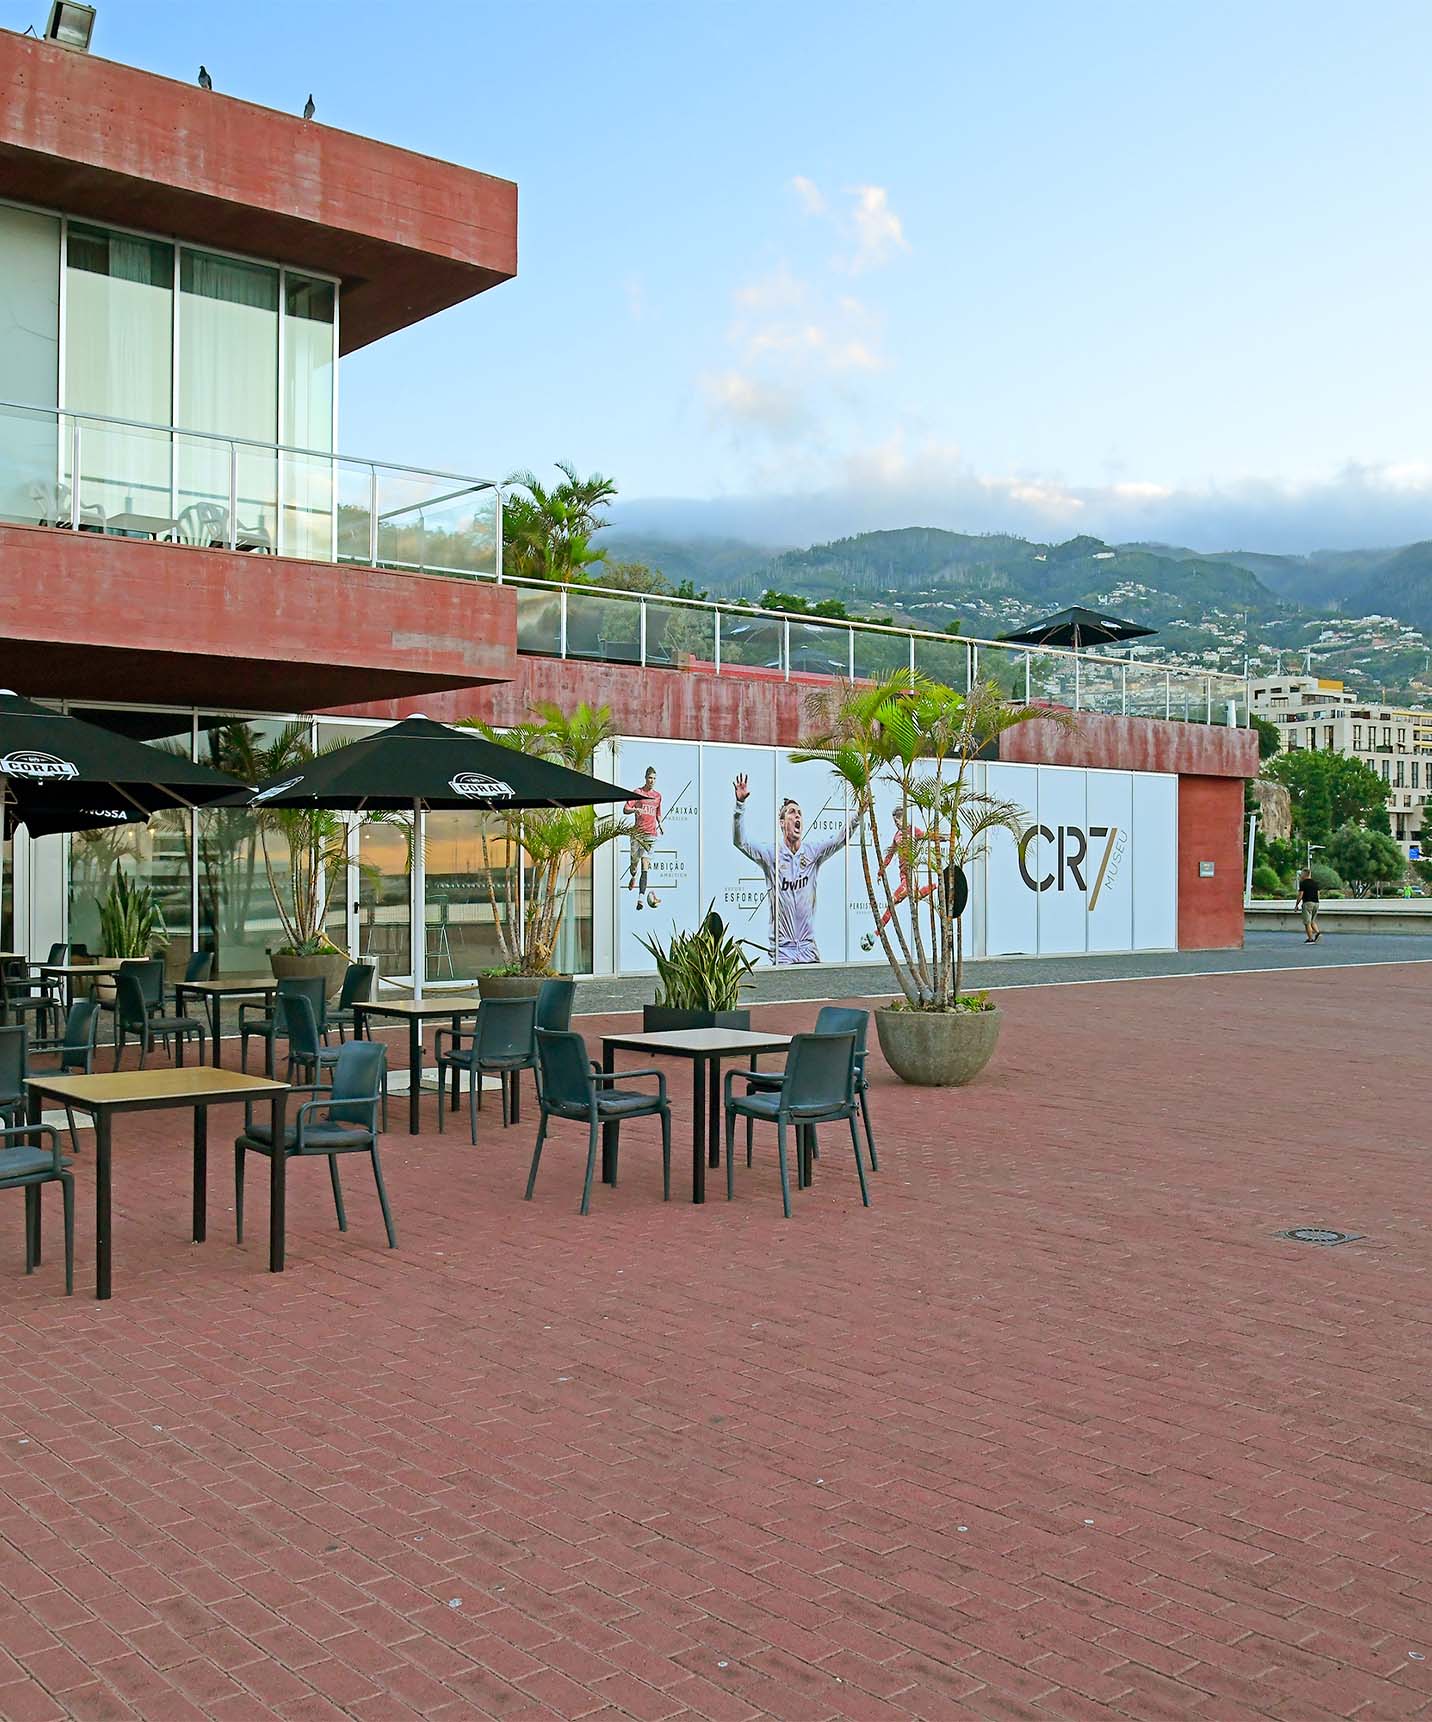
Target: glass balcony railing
94	474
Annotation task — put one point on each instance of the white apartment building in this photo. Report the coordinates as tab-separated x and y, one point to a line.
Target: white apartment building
1395	741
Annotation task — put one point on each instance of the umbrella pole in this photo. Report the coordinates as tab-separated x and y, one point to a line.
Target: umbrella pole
418	909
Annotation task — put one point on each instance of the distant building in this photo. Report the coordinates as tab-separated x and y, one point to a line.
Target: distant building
1395	741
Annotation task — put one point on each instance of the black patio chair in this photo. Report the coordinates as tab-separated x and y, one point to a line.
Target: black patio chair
198	968
819	1088
342	1119
501	1042
133	1015
26	1164
14	1056
830	1019
32	996
73	1052
257	1022
306	1052
568	1087
357	989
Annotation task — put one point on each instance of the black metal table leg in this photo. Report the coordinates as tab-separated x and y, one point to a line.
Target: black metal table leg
217	1022
713	1125
101	1202
609	1131
201	1173
278	1184
698	1129
415	1075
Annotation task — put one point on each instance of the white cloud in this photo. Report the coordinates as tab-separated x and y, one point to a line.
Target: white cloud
878	231
754	403
811	197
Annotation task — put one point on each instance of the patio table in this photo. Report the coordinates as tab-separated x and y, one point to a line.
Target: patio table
135	525
416	1012
705	1047
69	973
152	1090
236	987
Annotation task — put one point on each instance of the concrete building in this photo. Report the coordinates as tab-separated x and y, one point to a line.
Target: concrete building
187	554
1393	741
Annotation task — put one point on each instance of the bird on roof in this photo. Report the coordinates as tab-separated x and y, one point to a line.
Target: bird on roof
205	81
308	108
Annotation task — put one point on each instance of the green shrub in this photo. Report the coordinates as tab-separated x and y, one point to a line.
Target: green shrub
1266	882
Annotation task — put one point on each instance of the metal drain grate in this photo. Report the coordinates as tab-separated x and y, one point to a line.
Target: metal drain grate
1320	1235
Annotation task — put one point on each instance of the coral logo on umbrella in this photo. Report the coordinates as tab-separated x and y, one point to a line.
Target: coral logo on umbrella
43	767
476	786
277	789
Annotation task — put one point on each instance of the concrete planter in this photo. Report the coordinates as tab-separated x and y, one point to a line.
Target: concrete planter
666	1019
513	986
332	965
937	1049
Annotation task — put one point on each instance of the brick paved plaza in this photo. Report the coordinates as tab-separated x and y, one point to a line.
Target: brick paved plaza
1058	1428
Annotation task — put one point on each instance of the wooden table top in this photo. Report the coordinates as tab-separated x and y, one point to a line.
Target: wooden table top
194	1085
700	1042
100	966
231	984
451	1004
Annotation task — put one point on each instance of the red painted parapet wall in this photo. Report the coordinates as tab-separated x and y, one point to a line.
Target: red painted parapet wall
406	235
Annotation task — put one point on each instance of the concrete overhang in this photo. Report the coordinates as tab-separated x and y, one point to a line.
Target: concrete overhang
405	234
85	616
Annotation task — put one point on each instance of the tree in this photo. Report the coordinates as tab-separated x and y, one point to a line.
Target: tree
1365	858
1270	737
634	577
547	533
1328	790
954	628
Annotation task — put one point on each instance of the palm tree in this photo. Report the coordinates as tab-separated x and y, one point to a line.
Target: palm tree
547	533
923	738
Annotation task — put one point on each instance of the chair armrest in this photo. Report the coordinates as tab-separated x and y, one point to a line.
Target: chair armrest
455	1035
28	1132
632	1076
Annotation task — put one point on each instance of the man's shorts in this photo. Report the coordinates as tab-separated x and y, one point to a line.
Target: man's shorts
1310	913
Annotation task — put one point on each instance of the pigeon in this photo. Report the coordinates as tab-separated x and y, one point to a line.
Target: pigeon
205	81
308	109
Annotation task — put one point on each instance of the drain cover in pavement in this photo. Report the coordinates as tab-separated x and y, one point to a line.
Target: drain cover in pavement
1319	1235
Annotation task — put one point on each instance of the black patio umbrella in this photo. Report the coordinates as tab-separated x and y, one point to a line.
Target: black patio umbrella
419	766
1079	628
58	773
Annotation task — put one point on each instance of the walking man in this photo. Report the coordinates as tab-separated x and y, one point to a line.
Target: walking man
790	865
1308	903
645	809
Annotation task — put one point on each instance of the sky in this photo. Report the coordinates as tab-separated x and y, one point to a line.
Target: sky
789	271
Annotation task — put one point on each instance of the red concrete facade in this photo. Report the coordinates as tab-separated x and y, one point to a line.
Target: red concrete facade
405	234
83	614
1210	829
1102	742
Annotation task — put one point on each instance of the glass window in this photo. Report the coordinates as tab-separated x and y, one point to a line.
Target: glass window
1398	779
119	321
1356	736
1415	765
228	384
29	365
306	483
466	869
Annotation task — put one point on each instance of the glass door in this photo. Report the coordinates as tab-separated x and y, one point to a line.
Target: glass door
379	928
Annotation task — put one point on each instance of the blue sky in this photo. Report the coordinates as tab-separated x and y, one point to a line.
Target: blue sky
797	269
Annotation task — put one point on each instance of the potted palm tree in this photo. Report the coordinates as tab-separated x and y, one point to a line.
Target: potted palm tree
700	977
923	739
533	856
131	924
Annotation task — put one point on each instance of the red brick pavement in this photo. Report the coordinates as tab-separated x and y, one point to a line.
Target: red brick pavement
1058	1428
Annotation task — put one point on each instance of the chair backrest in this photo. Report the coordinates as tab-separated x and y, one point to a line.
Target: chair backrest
59	953
13	1044
820	1072
357	985
844	1019
505	1028
310	987
554	1004
149	972
200	966
130	1004
302	1025
358	1080
566	1075
81	1027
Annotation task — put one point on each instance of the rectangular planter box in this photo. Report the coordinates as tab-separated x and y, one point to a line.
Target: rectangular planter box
661	1019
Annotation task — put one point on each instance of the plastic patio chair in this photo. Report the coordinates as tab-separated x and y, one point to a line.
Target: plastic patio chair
74	1051
132	1015
14	1056
26	1164
357	989
258	1022
819	1088
570	1088
830	1019
502	1042
342	1119
306	1051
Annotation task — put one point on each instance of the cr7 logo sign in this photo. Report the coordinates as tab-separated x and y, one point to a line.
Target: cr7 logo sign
1076	851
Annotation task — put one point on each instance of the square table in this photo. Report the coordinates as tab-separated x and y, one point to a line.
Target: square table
705	1047
416	1012
235	987
70	973
151	1090
135	525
